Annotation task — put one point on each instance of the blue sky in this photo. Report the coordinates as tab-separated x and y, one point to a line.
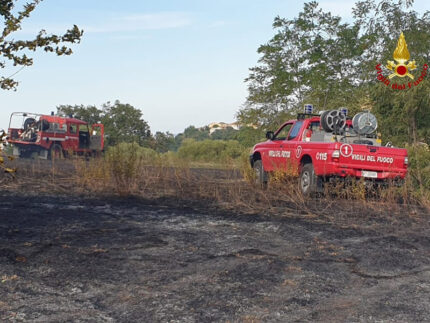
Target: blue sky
182	62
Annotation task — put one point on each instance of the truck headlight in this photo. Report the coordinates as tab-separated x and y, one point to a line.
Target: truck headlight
406	160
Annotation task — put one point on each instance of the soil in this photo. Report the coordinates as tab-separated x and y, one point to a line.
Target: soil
67	257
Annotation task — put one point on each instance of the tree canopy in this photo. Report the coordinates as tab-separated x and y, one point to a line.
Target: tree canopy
15	52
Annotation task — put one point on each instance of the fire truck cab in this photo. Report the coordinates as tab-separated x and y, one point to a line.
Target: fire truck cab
50	136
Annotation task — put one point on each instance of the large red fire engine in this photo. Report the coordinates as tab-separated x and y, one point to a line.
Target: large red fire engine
51	136
319	148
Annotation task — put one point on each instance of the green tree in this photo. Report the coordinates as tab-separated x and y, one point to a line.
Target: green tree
124	123
404	115
90	114
15	51
164	142
249	136
196	133
311	58
179	138
224	134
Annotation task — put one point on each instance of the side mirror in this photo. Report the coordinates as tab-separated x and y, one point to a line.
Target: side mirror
270	135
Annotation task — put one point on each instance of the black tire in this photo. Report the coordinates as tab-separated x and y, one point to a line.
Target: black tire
56	152
261	175
324	124
308	181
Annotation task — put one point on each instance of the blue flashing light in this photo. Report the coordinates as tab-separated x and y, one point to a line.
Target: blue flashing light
344	111
309	108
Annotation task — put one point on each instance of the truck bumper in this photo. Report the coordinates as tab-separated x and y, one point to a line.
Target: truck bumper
371	182
371	173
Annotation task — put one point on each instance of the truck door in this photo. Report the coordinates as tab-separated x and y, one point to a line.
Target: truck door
97	137
294	148
277	151
72	138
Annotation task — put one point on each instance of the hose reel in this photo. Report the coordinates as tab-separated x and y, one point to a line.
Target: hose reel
364	123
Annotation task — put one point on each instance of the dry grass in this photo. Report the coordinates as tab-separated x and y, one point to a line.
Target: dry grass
130	173
172	177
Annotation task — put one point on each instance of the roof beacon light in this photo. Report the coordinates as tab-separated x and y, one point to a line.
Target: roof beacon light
309	108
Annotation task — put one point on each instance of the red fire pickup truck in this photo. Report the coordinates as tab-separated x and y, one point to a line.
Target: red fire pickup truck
318	148
51	136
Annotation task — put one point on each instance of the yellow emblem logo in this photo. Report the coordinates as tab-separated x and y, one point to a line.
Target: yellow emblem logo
401	55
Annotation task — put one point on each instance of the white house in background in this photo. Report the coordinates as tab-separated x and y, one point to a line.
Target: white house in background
222	125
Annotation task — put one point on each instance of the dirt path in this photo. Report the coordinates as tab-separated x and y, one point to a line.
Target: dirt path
68	258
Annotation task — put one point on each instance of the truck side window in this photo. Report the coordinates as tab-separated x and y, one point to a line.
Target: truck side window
53	127
283	133
295	130
73	128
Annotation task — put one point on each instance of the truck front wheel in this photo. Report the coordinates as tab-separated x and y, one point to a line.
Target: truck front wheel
308	180
260	174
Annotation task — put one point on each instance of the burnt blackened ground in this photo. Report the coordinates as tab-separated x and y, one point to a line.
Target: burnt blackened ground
66	258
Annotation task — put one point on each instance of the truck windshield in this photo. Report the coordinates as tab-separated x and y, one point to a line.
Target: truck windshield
295	130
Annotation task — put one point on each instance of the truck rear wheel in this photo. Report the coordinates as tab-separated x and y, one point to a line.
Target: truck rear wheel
308	180
260	174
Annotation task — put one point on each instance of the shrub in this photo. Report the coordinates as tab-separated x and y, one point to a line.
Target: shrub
124	163
210	150
419	168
